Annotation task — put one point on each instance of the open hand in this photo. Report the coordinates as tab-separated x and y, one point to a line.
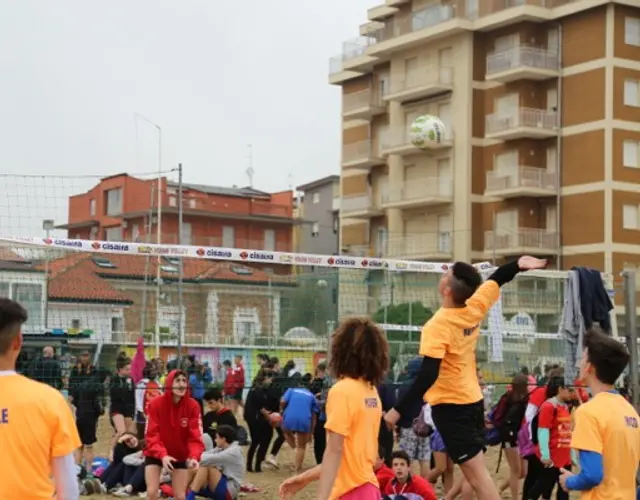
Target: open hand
167	463
564	475
291	486
528	263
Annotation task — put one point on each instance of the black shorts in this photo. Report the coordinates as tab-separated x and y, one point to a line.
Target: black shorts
462	429
155	461
87	431
236	396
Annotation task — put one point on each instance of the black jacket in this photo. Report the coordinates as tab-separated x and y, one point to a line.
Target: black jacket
47	371
595	302
88	397
122	395
257	399
213	419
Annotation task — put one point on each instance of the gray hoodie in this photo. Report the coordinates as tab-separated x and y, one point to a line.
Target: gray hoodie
230	461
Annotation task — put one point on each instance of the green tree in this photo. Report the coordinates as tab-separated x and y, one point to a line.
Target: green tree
308	305
406	313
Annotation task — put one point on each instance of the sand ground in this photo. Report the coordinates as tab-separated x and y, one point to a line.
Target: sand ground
269	480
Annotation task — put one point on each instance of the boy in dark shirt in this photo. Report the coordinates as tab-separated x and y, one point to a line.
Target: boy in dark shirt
216	413
122	396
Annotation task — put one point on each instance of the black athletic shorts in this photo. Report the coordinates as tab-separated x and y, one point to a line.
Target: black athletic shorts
462	429
155	461
87	431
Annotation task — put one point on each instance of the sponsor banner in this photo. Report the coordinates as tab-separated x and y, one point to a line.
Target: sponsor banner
238	255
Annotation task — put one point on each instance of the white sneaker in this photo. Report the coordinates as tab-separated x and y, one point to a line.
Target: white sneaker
271	460
122	492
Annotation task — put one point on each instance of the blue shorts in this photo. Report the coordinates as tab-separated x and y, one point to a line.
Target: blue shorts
221	492
293	424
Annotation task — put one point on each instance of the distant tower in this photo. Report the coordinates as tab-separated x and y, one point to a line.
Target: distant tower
250	170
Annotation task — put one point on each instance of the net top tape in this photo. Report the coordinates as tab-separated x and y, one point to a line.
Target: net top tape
237	255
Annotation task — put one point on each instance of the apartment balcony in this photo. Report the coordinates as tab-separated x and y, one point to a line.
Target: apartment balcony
523	123
337	73
360	155
362	105
355	54
429	191
421	83
522	181
359	206
396	3
219	241
424	246
381	12
425	25
399	143
522	63
521	241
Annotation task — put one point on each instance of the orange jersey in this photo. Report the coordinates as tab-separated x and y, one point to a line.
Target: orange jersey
36	426
354	411
452	335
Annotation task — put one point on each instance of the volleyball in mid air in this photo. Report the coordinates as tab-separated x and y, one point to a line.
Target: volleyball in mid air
427	131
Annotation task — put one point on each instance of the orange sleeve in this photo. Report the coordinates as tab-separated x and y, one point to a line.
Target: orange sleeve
435	339
482	300
64	435
586	433
339	412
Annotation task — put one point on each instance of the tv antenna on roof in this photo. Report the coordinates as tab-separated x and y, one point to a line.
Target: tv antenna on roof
249	171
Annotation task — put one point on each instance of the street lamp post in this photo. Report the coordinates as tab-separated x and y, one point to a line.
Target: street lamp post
48	225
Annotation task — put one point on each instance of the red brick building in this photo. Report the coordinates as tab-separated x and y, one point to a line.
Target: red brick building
125	208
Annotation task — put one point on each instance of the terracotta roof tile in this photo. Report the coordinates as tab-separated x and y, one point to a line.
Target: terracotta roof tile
78	277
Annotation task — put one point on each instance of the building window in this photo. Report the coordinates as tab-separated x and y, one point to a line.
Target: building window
315	230
336	225
75	324
630	219
192	203
315	198
114	201
31	298
269	239
173	201
632	31
228	237
92	208
117	324
631	154
4	290
113	233
135	232
186	233
632	92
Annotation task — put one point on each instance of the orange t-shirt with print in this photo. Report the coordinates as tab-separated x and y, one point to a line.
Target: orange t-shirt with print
36	426
607	424
354	411
452	335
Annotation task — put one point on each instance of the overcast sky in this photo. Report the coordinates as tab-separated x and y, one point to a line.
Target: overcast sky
215	75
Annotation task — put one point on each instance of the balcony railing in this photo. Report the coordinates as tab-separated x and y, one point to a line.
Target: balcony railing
335	64
521	118
522	177
419	246
423	77
358	151
419	189
521	238
425	18
218	241
357	203
520	56
363	99
232	206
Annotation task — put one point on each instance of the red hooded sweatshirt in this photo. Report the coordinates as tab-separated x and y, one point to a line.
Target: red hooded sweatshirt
174	429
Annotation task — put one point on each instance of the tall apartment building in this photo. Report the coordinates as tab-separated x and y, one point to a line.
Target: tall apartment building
319	206
541	99
125	208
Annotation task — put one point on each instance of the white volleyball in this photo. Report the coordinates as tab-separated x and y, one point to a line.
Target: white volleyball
427	131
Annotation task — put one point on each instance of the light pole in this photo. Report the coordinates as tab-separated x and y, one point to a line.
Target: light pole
48	225
158	228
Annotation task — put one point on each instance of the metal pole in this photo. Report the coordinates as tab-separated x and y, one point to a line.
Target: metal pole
46	285
270	299
180	266
159	238
147	263
493	239
632	333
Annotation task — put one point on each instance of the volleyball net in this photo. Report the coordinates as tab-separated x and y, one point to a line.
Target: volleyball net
218	303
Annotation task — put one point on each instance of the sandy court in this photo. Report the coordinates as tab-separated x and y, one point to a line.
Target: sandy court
269	480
